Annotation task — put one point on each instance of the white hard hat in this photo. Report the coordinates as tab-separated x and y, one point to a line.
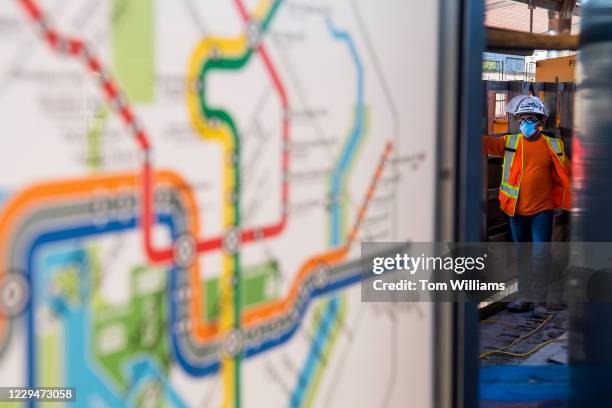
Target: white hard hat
526	104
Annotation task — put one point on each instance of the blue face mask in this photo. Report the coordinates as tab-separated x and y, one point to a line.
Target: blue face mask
528	128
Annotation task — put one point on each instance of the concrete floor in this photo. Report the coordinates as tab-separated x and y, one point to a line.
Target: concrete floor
504	327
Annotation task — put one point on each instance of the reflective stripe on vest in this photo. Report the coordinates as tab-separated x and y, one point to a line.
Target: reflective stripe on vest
510	191
555	145
511	146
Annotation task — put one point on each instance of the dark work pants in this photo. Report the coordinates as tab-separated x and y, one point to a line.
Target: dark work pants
532	234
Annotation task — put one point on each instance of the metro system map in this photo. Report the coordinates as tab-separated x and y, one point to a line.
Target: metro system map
184	188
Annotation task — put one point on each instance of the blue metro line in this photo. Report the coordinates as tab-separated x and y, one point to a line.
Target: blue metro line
90	230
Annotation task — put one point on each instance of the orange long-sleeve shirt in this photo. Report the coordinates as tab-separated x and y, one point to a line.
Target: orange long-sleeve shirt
535	190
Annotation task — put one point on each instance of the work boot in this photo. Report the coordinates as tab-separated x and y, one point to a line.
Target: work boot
540	309
519	306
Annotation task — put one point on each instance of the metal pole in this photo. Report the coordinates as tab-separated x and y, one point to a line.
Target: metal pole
470	192
531	8
565	16
460	152
590	320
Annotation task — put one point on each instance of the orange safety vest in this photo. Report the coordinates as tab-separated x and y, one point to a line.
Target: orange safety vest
512	173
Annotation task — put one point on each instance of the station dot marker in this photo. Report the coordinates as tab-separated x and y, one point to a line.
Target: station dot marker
253	33
321	275
184	251
214	122
215	53
233	343
125	206
100	209
231	240
14	294
162	200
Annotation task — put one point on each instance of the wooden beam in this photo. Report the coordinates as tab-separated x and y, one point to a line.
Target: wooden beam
508	40
555	5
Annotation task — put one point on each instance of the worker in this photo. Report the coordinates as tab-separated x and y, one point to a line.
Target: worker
535	182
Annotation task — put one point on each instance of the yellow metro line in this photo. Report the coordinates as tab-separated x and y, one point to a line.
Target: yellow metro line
207	48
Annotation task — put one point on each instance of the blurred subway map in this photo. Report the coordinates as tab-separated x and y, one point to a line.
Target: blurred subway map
184	187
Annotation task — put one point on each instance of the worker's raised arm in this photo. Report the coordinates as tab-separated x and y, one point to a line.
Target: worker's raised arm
494	145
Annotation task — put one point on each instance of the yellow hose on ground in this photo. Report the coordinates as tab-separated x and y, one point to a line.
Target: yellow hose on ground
518	340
